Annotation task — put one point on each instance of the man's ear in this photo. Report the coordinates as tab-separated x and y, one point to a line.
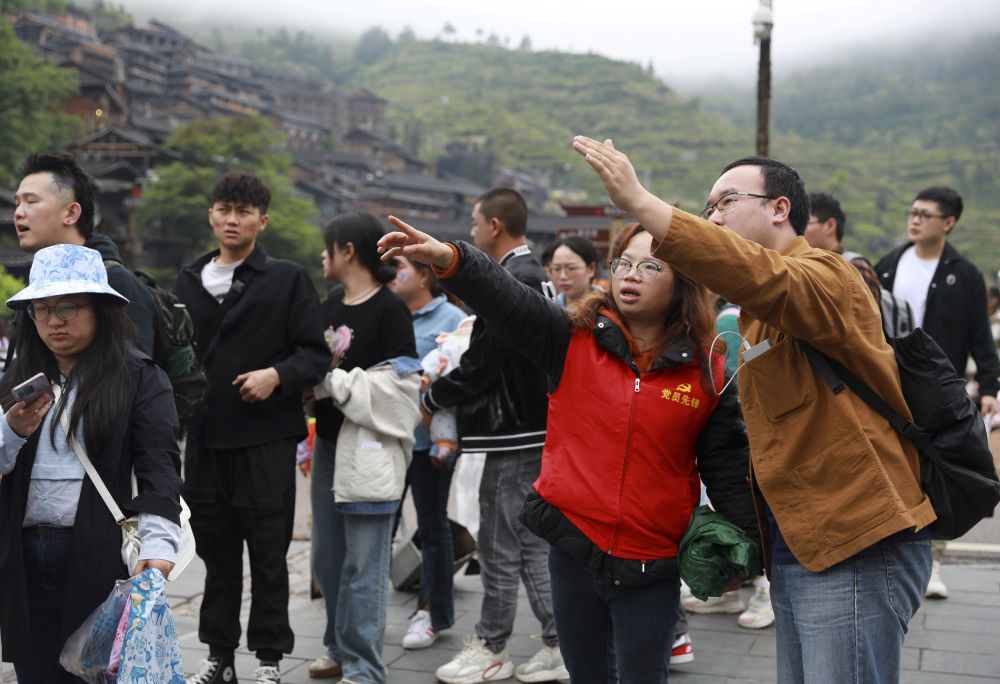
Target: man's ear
949	223
496	227
263	222
830	226
782	209
73	213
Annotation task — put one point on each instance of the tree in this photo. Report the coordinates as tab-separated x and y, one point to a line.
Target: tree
525	43
30	88
372	46
176	203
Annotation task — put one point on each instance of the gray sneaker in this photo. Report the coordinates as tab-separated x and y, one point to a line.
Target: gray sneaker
545	666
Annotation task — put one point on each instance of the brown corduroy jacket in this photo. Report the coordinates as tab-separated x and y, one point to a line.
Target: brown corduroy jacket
834	473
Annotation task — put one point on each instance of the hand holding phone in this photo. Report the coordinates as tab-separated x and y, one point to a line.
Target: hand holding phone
32	388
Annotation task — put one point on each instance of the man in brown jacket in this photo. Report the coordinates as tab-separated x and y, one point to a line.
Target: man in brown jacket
838	492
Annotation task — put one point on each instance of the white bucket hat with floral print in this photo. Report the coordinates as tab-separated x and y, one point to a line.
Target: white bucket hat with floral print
66	270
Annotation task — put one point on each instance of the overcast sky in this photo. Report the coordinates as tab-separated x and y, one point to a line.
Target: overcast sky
685	40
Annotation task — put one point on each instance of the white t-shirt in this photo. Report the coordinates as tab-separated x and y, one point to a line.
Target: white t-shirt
913	280
218	278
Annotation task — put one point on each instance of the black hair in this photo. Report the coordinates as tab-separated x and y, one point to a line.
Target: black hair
781	180
825	207
100	376
242	188
65	170
363	230
948	200
507	205
581	246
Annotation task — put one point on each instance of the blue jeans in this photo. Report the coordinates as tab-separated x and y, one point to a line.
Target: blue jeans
508	549
46	552
350	558
846	623
430	486
611	633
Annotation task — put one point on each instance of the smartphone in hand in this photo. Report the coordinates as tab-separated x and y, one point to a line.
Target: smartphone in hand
32	388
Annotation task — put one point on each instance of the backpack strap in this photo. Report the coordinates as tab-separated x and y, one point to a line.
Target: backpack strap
835	374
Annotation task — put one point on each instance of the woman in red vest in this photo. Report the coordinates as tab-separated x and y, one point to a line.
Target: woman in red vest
635	416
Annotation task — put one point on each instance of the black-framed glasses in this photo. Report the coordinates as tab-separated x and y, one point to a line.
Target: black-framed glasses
65	310
727	203
647	270
917	214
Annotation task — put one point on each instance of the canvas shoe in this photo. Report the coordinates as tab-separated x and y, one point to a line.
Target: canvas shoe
935	587
545	666
476	663
215	671
758	613
324	667
729	602
420	634
682	651
267	673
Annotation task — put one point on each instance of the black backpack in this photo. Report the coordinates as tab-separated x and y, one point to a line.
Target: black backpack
956	467
173	346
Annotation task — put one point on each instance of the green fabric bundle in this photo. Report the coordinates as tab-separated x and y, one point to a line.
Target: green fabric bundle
713	550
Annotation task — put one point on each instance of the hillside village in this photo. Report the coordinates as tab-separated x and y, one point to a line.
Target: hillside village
137	83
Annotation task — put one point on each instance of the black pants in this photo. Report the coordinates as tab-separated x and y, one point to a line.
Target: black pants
239	495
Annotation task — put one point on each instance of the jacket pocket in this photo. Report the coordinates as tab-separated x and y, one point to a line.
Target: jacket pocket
845	489
781	380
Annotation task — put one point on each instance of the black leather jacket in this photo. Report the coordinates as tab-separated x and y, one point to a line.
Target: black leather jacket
499	395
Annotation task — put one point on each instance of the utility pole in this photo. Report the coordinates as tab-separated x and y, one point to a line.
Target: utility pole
763	22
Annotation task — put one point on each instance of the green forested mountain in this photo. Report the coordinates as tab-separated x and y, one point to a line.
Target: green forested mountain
871	130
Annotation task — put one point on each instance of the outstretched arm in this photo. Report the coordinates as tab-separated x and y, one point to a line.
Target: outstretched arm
413	244
623	185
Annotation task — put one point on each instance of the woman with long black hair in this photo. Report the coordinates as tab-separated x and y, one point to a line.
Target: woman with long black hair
60	549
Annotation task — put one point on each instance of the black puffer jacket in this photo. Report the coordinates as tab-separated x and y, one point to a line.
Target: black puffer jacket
499	394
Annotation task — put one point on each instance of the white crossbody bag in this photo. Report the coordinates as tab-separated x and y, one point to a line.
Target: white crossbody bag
131	543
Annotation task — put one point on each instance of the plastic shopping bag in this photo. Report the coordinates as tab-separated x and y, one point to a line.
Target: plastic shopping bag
149	650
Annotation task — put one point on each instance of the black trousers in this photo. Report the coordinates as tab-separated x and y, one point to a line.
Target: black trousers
236	496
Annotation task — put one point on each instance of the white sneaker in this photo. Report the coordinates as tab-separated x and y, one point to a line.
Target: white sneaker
420	634
758	613
545	666
729	602
476	663
935	587
324	667
267	674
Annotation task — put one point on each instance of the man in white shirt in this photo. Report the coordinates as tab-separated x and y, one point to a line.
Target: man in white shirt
948	296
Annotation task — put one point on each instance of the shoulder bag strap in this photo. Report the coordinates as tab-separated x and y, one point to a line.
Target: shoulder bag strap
235	290
95	477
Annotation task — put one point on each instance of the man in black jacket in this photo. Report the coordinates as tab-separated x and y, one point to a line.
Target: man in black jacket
56	205
258	332
501	404
948	296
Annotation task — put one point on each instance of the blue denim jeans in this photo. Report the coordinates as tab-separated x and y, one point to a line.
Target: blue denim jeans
46	552
430	486
611	633
350	558
846	624
508	549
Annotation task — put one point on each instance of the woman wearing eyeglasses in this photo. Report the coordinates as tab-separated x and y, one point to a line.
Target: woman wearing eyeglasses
60	549
634	418
572	269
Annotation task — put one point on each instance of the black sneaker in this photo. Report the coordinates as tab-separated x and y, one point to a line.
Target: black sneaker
214	671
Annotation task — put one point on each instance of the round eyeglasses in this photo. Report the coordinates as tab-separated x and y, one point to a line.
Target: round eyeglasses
65	311
647	270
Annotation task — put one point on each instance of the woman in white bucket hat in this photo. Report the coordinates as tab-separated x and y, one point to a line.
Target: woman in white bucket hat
60	549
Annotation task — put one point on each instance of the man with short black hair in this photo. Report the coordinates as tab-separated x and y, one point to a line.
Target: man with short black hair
948	296
825	229
258	331
55	203
842	513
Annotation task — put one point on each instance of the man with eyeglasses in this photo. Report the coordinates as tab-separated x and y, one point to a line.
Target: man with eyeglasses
55	204
948	296
843	517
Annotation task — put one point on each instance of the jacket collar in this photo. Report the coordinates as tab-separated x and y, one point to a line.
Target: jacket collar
612	335
430	306
255	261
